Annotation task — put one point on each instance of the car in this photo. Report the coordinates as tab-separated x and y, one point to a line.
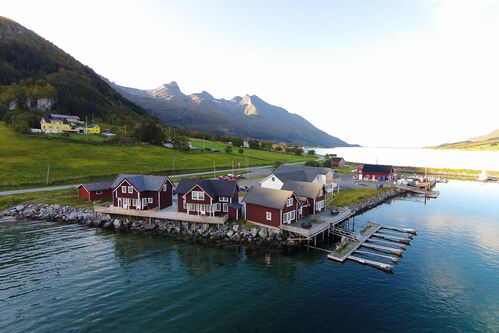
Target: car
240	177
244	188
222	178
231	176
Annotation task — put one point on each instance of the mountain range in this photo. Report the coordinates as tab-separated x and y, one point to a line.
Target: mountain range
37	77
246	116
491	136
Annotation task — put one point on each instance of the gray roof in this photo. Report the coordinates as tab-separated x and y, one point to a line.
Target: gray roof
142	182
55	115
102	186
235	205
91	126
214	187
337	159
377	168
303	189
267	197
310	173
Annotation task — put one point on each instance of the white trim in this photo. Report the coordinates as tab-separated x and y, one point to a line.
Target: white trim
268	216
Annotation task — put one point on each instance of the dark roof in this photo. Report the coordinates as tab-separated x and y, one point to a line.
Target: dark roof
303	189
267	197
91	126
55	115
214	187
310	173
377	168
102	186
337	159
141	182
235	205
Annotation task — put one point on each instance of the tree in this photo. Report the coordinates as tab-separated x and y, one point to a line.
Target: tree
311	152
267	145
254	144
312	163
241	151
181	142
327	163
149	132
237	142
228	149
276	164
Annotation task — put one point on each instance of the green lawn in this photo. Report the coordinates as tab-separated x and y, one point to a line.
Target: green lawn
24	160
79	137
352	196
68	197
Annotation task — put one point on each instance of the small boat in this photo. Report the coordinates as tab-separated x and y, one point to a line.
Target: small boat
484	177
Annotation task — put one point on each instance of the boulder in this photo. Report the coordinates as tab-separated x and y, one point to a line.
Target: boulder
149	226
263	233
19	208
108	224
230	233
254	232
117	224
235	227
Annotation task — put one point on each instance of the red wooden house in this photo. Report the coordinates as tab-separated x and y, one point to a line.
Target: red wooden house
142	192
375	172
95	191
209	197
271	207
312	195
337	161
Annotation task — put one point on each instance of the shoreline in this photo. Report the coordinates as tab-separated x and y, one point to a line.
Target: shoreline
228	234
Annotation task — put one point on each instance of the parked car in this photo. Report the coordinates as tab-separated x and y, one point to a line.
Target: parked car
244	188
222	178
231	176
240	177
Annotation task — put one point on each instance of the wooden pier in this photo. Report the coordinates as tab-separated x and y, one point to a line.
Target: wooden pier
372	263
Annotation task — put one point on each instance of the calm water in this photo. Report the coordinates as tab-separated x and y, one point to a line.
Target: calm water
418	157
69	278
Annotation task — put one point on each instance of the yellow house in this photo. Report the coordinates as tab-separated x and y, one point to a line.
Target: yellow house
55	125
93	129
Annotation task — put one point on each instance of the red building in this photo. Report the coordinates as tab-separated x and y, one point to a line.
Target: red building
270	207
312	195
209	197
142	192
377	172
95	191
337	161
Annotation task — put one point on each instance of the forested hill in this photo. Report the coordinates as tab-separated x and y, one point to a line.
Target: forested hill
36	75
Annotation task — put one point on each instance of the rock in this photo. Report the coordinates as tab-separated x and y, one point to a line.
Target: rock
108	224
254	232
19	208
205	227
13	105
235	227
117	224
263	233
149	226
44	104
230	233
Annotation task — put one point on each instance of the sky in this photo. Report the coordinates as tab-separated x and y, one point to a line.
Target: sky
402	73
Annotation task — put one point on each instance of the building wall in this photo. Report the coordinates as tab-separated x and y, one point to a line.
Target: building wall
83	193
105	194
375	176
118	194
93	130
258	214
289	209
272	182
166	198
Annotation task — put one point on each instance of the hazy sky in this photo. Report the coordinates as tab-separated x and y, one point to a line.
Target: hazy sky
377	73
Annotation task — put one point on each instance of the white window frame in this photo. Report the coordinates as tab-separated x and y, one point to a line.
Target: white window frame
123	189
184	204
149	200
130	189
135	202
165	187
225	207
197	195
98	192
292	217
289	202
268	216
321	193
217	207
224	199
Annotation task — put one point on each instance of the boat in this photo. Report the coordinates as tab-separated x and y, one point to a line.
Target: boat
334	212
484	177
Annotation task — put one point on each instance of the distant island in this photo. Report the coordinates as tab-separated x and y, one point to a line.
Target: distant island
485	142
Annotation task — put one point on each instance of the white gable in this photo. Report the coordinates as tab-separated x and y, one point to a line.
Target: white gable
272	182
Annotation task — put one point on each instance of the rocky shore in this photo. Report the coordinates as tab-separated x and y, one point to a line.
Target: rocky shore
225	234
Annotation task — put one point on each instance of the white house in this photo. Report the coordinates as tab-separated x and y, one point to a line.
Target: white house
284	173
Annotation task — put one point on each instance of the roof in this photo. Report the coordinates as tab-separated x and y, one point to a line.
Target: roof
141	182
235	205
267	197
214	187
303	189
102	186
92	125
55	115
377	168
308	173
337	159
49	120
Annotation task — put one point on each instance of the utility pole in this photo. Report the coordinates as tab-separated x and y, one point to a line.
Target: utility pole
214	173
48	171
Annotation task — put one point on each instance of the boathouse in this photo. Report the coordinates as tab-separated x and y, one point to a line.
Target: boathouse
95	191
270	207
337	161
142	192
211	197
375	172
312	195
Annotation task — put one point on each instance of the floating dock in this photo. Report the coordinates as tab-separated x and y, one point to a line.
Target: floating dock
372	263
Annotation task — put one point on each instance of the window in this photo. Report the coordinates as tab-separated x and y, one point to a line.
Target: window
197	195
273	179
292	215
269	216
98	192
184	204
224	199
165	188
123	189
135	202
130	189
319	205
226	207
149	200
289	203
217	207
321	193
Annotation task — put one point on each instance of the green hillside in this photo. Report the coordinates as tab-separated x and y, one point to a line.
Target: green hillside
36	75
25	159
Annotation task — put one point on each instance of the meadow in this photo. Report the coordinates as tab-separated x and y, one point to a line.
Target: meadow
26	160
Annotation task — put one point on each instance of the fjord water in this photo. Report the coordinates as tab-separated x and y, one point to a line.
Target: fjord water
56	277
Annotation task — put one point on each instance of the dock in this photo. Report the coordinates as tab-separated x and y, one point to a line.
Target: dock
372	263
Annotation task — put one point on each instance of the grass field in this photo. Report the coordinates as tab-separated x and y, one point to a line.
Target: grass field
79	137
489	145
352	196
68	197
25	160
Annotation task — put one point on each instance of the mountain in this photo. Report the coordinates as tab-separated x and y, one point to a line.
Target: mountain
246	116
490	136
35	75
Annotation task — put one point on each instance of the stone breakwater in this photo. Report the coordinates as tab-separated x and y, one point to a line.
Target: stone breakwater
376	201
224	234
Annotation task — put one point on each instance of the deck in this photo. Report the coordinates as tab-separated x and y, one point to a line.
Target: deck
354	245
320	223
164	214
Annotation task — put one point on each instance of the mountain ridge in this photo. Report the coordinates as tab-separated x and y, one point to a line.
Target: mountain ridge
246	116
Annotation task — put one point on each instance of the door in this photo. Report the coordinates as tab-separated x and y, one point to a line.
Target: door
144	203
120	203
126	203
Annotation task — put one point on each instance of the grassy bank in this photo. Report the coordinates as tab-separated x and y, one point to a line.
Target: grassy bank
25	160
67	197
460	174
353	196
488	145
